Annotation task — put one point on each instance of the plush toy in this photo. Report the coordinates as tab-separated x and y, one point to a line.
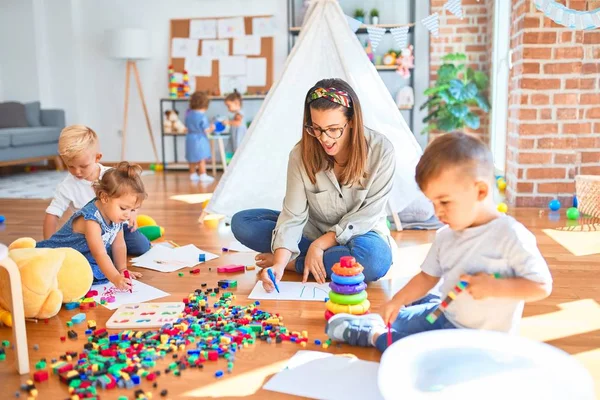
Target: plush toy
389	58
149	228
405	62
171	122
49	278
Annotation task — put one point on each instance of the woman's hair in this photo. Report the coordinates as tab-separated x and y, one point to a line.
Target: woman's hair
121	180
314	157
235	96
74	140
199	101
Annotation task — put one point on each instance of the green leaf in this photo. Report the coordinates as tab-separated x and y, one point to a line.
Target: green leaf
431	102
456	89
435	89
458	110
447	124
447	97
469	74
454	57
482	103
470	91
481	80
446	72
472	120
431	115
429	128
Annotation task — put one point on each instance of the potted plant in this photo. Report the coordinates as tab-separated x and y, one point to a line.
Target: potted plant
374	16
456	94
359	15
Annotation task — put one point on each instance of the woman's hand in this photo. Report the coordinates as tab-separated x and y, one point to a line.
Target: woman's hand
267	283
313	263
390	311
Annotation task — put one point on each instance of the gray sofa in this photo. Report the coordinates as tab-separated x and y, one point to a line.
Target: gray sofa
29	137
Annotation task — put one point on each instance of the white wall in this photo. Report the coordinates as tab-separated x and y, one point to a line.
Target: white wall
67	52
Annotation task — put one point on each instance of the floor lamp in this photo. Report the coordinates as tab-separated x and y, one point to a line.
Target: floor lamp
131	45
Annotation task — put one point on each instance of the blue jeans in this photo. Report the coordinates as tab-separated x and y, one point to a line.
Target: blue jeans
254	229
137	244
412	320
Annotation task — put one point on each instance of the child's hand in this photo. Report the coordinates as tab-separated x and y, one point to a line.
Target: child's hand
390	311
267	283
121	283
133	225
132	274
480	285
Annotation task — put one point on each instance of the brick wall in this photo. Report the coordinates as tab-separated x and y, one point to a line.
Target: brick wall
554	106
471	35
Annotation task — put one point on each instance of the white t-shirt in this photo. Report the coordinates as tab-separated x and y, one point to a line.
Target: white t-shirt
502	246
74	193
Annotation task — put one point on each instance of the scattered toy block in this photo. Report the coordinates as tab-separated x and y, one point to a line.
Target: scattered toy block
228	269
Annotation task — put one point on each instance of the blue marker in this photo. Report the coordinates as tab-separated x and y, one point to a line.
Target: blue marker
272	276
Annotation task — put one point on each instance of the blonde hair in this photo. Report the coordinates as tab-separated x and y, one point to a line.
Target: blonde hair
76	139
314	157
123	179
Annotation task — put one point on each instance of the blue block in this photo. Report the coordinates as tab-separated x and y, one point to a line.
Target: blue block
71	306
88	332
113	338
202	257
135	379
79	318
219	374
317	342
193	352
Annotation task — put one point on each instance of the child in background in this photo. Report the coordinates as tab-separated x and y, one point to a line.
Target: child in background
456	174
233	101
98	226
78	148
197	146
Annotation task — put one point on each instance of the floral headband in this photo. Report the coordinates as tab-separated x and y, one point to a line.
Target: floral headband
332	94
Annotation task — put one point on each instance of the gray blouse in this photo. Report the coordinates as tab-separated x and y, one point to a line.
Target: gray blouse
314	210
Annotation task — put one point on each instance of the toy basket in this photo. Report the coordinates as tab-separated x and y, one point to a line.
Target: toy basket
588	194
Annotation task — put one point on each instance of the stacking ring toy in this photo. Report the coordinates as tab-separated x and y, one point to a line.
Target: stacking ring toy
347	298
347	280
329	314
348	289
347	261
347	271
354	309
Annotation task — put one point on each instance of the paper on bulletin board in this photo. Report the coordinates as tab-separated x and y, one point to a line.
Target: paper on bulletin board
247	45
215	48
232	65
263	26
256	71
228	83
183	47
231	28
198	66
203	28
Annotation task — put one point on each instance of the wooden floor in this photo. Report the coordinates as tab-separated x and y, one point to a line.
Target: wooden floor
569	319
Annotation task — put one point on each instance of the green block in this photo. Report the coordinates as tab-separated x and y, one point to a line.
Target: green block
75	383
5	343
40	365
431	318
69	324
2	357
122	397
152	232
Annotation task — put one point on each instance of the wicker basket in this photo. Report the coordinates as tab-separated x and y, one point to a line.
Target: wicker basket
588	194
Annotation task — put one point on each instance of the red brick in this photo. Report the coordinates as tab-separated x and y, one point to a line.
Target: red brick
534	158
538	129
597	128
546	173
590	157
579	5
565	158
565	98
537	53
590	98
564	68
581	83
559	187
595	170
540	99
546	114
467	29
578	128
593	113
528	201
566	113
578	37
527	113
540	84
531	68
556	143
524	187
592	68
568	52
532	22
539	37
586	143
591	37
566	37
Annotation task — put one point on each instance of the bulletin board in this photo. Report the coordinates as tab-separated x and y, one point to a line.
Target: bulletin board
214	82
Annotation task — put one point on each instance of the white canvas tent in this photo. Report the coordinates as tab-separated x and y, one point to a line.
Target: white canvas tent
326	48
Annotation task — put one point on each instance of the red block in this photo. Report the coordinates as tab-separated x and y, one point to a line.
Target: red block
40	376
62	338
84	306
92	293
228	269
65	368
213	355
151	376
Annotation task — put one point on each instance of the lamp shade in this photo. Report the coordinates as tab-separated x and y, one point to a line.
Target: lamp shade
129	43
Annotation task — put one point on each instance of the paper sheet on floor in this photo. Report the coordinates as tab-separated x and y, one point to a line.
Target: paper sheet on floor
237	246
292	291
141	293
578	243
328	377
165	259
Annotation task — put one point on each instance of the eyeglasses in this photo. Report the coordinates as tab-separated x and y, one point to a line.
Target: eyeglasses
333	133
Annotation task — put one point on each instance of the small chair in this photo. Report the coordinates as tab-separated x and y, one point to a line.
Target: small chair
18	313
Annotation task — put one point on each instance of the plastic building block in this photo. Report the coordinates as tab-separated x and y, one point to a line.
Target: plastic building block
72	305
250	267
79	318
180	274
201	257
40	376
219	374
228	269
72	334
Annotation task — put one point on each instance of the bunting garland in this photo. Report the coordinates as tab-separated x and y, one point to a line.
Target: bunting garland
375	36
400	36
432	23
455	7
562	15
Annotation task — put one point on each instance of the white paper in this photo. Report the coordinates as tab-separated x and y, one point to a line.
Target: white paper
247	45
164	259
228	83
232	65
141	293
263	26
198	66
309	291
256	71
215	48
330	377
231	27
237	246
182	47
203	28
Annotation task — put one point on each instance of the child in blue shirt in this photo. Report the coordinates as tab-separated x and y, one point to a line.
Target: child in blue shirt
456	174
197	146
98	226
238	128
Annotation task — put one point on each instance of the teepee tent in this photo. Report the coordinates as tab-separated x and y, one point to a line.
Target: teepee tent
326	48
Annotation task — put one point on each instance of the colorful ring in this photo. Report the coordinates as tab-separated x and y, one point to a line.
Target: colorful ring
354	309
347	289
356	298
347	261
347	280
329	314
347	271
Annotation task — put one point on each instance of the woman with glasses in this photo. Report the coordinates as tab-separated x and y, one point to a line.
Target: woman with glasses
339	179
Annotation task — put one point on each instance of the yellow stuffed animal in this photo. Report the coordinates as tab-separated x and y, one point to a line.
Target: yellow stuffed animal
49	278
